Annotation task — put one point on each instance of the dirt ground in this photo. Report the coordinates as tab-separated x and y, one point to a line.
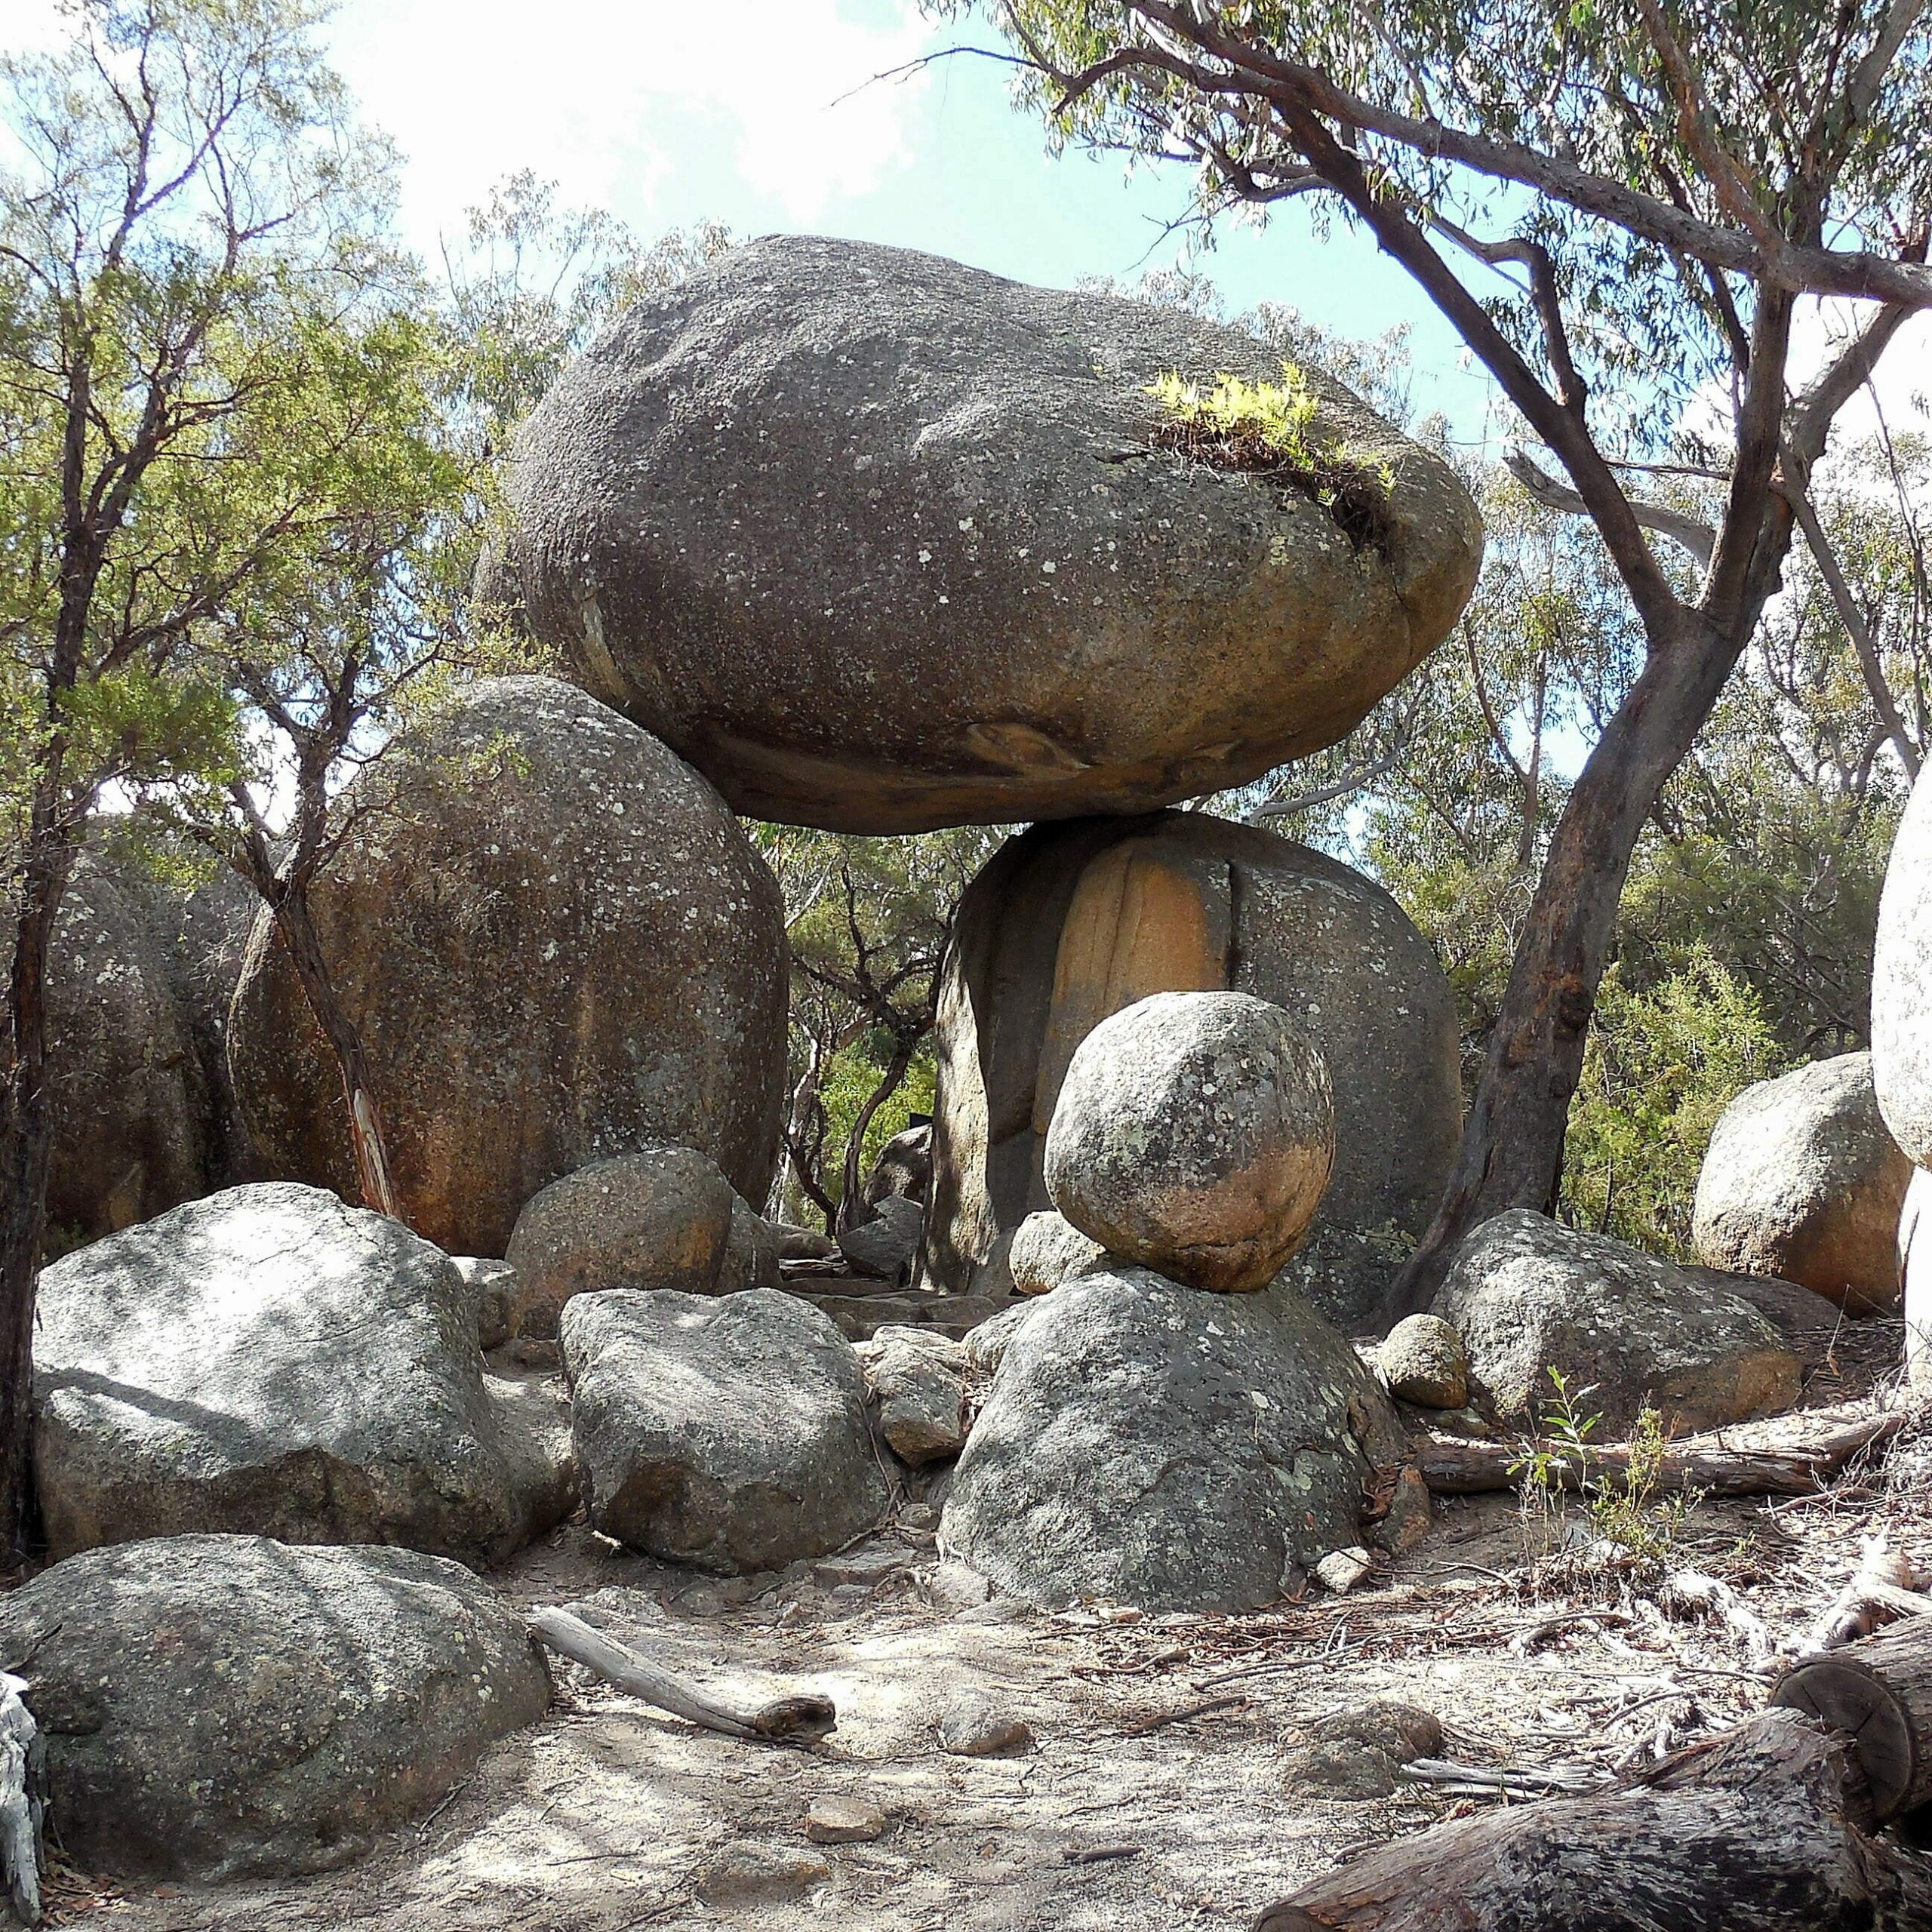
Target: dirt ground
1157	1792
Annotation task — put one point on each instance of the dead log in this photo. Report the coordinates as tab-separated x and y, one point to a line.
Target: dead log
1879	1692
1765	1829
1719	1465
799	1720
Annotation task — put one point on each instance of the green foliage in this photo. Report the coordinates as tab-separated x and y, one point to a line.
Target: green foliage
1660	1067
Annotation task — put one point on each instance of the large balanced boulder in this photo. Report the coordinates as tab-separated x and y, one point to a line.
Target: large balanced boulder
1902	983
134	1119
270	1361
1802	1181
1914	1261
660	1218
880	543
1143	1444
1194	1135
728	1431
225	1707
558	946
1626	1331
1068	924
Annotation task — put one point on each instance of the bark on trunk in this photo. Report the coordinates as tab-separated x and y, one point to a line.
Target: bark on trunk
358	1091
1511	1155
1766	1829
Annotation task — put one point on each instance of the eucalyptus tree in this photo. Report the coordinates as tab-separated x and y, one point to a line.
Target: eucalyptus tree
186	209
1622	206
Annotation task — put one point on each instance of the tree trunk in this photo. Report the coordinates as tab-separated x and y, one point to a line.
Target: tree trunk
1879	1693
850	1197
358	1092
1768	1828
26	1150
1511	1155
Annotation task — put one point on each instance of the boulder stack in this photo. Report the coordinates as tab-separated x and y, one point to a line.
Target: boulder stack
559	946
880	543
1068	924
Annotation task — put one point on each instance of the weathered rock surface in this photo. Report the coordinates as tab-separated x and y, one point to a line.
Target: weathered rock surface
1047	1249
1423	1360
917	1378
1141	1445
660	1218
134	1118
1194	1135
881	542
1915	1254
559	946
224	1707
1358	1754
1068	924
1902	983
904	1166
727	1431
499	1296
1528	1296
884	1247
1803	1181
753	1251
270	1360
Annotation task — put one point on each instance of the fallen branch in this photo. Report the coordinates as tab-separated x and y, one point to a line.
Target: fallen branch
800	1720
1458	1465
22	1787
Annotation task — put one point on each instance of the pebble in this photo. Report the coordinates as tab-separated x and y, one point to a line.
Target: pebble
1341	1570
843	1821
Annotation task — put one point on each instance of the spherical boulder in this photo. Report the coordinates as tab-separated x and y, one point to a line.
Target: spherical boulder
660	1218
1902	983
1423	1361
1047	1249
1803	1182
881	542
559	945
1067	924
1194	1134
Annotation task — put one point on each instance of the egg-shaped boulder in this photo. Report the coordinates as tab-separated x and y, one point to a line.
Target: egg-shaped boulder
559	946
881	542
1068	924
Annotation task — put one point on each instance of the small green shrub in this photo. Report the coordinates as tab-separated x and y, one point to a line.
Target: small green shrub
1269	428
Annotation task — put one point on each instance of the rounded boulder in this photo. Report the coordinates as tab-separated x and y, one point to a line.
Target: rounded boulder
1902	983
1194	1134
881	542
558	946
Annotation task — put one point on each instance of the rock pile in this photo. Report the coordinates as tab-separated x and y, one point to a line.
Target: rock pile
1068	924
1161	1445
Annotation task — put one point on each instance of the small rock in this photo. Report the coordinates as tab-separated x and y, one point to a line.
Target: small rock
1341	1570
843	1821
978	1727
953	1586
497	1294
916	1377
1423	1360
1047	1249
918	1516
1194	1134
1410	1511
741	1873
866	1568
1359	1753
884	1248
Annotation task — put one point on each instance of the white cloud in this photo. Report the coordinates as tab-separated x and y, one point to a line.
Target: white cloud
606	96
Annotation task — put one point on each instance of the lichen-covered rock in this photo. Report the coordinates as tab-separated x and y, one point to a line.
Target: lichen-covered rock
884	1247
660	1218
559	946
917	1379
904	1166
1144	1445
1194	1134
1902	983
133	1120
1067	924
752	1253
220	1707
881	542
1803	1181
1423	1360
270	1361
726	1431
1528	1295
1047	1249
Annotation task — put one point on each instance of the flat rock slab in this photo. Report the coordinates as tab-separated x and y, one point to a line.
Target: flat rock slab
728	1432
1626	1330
225	1707
1156	1445
271	1361
881	542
